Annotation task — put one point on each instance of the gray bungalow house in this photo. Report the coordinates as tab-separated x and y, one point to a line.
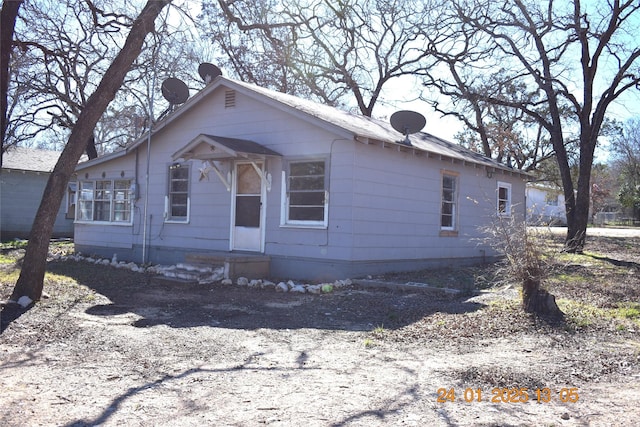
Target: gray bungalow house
24	176
318	192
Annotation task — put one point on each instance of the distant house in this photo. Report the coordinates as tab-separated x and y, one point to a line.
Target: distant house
24	175
545	204
318	192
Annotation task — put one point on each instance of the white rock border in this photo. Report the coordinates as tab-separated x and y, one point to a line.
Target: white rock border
214	275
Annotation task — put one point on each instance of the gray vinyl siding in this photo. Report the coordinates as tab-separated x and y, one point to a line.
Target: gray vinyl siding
21	193
396	206
384	203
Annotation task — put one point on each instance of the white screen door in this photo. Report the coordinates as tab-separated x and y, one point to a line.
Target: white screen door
247	212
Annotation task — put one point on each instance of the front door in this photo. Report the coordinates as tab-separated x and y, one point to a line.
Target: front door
246	215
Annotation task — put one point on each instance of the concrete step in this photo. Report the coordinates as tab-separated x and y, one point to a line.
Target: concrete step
193	273
252	266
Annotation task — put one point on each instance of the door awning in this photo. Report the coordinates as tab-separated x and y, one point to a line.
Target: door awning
211	147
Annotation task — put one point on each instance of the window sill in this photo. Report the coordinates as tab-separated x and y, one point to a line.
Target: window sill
305	226
175	221
448	233
118	224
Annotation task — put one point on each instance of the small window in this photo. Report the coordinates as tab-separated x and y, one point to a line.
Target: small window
551	199
306	193
102	201
71	201
504	199
85	204
449	202
121	201
178	198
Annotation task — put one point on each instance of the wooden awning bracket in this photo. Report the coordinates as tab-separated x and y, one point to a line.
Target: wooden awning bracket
208	166
265	176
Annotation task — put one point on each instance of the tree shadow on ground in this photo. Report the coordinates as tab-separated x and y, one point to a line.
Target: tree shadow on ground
10	313
616	262
380	413
165	380
181	305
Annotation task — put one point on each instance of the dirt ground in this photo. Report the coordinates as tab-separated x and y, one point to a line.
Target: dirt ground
111	347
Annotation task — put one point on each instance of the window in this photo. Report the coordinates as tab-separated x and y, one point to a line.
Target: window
449	202
504	199
121	201
85	205
551	199
306	193
178	199
71	200
105	201
102	201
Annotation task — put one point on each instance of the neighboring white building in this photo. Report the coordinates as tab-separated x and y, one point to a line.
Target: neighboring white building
545	204
320	192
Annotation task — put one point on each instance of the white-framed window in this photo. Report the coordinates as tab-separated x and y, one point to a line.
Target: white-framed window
551	199
104	201
305	193
504	199
72	189
177	202
449	202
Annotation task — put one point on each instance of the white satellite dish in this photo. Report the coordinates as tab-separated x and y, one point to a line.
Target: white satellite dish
208	72
407	122
175	91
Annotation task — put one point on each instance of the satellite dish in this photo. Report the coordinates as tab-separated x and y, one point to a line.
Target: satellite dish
208	72
175	91
407	122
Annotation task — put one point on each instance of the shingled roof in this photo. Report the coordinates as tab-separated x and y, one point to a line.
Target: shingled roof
359	127
30	159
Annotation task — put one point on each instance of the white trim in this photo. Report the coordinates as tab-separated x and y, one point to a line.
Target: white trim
112	202
285	222
177	221
117	224
454	203
508	211
263	203
167	204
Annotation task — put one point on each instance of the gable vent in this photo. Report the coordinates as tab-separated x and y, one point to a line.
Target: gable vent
230	99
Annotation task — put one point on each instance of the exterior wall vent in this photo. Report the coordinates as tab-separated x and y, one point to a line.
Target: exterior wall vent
229	99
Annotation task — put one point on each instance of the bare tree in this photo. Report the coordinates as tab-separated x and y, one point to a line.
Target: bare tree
31	280
626	158
8	17
337	52
507	135
63	53
574	58
63	50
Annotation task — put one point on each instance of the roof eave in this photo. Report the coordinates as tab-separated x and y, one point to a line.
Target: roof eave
489	165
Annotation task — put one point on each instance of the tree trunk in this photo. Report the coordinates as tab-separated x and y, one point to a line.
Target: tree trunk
8	16
577	232
91	150
31	280
539	301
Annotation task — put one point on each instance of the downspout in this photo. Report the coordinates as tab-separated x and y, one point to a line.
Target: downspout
146	177
145	228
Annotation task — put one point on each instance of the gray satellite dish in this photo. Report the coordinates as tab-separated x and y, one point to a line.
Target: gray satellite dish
208	72
175	91
407	122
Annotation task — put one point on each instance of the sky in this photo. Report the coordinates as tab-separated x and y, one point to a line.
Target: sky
403	93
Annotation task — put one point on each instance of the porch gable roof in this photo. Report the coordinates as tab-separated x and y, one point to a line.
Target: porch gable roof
212	147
